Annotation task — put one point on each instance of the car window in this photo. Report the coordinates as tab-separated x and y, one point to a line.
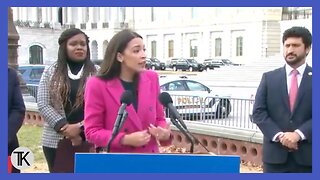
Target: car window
182	61
22	71
175	86
227	61
217	62
195	86
192	61
173	61
163	88
36	73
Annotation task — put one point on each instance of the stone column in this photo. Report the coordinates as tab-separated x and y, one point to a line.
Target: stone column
102	18
32	14
54	18
80	15
80	18
20	9
24	14
54	14
69	16
91	15
15	12
114	18
49	14
44	14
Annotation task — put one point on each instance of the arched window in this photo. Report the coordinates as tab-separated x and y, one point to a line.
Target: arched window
35	54
170	48
94	50
218	47
193	48
105	44
239	51
153	49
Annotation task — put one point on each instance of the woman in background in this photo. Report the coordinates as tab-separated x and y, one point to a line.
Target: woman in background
61	97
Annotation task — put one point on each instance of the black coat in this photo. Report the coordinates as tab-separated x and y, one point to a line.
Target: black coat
16	110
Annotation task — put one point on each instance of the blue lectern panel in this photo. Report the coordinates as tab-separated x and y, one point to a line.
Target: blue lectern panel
155	163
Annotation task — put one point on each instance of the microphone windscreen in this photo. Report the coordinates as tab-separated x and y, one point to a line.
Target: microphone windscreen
126	97
165	99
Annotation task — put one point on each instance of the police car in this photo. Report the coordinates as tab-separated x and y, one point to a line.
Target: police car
31	74
194	100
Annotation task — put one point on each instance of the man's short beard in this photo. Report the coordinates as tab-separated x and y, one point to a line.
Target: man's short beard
298	60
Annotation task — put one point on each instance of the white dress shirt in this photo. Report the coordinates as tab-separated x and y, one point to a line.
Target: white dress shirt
289	69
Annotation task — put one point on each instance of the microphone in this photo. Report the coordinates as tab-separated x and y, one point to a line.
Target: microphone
166	101
126	99
124	117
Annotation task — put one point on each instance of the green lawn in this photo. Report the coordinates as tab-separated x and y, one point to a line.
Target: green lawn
30	136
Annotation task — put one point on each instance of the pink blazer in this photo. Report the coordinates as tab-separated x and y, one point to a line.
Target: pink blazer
102	101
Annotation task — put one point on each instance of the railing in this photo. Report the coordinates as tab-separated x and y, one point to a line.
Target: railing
33	90
296	14
222	111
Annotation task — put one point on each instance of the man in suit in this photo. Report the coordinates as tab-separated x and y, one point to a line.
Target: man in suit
16	111
283	108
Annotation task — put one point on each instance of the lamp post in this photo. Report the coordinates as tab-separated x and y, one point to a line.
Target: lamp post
13	38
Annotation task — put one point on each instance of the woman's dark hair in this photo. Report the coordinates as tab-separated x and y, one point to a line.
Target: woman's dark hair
60	83
110	66
298	32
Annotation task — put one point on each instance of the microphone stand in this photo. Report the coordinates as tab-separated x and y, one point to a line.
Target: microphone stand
188	136
116	131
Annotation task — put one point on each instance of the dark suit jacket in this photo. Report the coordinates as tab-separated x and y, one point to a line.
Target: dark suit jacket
16	110
271	113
